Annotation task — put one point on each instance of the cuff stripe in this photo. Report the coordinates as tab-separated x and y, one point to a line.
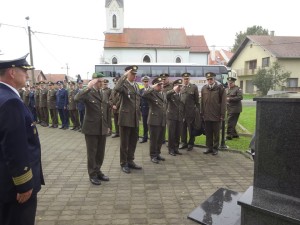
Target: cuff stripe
23	178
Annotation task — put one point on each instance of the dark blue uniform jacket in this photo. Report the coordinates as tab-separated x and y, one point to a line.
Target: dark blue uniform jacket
62	98
20	150
144	104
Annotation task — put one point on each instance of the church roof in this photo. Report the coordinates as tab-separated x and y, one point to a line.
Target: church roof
155	38
120	2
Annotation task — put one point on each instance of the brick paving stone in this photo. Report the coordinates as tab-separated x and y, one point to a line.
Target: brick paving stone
158	194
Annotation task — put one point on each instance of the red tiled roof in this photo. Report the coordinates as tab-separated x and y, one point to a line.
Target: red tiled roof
197	43
57	77
155	38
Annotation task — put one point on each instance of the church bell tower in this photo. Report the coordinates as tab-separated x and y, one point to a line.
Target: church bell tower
114	16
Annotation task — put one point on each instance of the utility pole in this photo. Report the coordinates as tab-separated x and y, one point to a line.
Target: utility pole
30	50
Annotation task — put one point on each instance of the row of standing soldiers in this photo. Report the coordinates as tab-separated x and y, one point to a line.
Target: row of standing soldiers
54	99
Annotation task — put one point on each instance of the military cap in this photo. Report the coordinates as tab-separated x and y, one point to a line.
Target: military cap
157	80
72	82
185	75
106	81
59	83
231	79
20	62
164	75
97	75
42	82
177	82
145	78
50	83
132	68
210	75
115	79
80	82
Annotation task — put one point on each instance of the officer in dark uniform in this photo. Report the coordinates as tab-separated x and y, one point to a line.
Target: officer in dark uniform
61	105
21	173
157	118
95	126
72	107
37	102
80	104
31	105
128	118
115	101
26	95
43	105
107	91
213	107
174	117
51	103
144	108
234	96
190	99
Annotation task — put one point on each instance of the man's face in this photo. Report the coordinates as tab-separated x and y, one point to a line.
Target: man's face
165	80
99	83
80	85
231	84
105	85
60	86
51	87
186	80
72	86
19	76
131	76
146	83
210	81
159	87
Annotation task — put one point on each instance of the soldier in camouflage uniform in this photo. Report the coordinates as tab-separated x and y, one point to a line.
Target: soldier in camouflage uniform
234	96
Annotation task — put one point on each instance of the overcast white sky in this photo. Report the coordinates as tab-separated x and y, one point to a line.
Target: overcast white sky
217	20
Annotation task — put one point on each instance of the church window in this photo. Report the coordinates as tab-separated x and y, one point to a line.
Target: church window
146	59
114	21
178	60
114	60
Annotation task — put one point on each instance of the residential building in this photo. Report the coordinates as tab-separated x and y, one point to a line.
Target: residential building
261	51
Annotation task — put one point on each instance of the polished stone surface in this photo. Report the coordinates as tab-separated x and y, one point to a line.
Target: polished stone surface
260	205
277	153
220	208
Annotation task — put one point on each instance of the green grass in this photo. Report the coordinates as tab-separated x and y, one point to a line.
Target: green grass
248	96
248	118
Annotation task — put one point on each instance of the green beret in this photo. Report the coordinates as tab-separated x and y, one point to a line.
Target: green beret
97	75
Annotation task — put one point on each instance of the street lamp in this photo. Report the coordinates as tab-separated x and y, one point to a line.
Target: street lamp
30	50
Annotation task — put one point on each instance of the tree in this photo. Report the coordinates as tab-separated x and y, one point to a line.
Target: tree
265	79
240	37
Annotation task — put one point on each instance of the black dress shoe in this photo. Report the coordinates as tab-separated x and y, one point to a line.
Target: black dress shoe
61	128
172	153
154	160
143	141
126	169
190	147
183	146
132	165
228	137
159	157
207	151
115	135
73	128
215	152
95	180
65	128
103	177
178	153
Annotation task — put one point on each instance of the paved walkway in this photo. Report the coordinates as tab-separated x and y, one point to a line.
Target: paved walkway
159	194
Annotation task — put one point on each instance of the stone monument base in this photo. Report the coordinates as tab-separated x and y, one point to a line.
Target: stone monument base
220	208
264	207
